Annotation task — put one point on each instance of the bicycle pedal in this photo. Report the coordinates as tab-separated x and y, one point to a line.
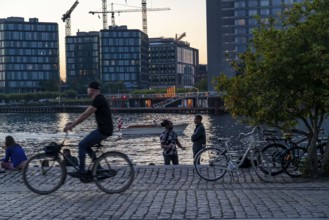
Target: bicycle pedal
106	174
86	179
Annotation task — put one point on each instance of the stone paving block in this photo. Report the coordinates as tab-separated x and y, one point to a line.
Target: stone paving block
170	192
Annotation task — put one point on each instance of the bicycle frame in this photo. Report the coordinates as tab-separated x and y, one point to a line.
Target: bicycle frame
241	161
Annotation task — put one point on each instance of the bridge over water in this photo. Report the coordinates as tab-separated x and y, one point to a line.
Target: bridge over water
189	103
190	100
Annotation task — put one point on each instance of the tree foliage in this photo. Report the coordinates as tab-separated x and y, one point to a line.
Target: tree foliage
285	73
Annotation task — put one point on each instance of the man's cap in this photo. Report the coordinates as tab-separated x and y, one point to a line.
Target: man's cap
94	85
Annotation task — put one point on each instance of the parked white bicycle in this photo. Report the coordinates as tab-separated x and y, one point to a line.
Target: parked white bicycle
212	162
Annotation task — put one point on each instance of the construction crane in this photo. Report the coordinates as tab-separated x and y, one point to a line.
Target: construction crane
180	36
129	10
67	18
104	8
144	16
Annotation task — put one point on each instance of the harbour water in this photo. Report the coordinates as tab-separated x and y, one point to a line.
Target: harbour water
35	130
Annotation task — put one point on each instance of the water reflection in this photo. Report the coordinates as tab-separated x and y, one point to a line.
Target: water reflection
34	130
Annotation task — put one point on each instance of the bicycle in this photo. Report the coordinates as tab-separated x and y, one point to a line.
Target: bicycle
286	154
212	163
111	171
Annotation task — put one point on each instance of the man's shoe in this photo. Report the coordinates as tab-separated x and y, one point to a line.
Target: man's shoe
106	174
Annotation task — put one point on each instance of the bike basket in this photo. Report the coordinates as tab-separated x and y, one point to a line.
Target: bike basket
52	148
248	141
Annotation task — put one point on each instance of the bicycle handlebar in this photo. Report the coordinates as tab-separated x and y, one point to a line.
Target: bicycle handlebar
241	135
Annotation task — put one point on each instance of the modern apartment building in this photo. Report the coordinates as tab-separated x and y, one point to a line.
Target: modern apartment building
29	54
229	28
172	63
124	57
82	57
201	74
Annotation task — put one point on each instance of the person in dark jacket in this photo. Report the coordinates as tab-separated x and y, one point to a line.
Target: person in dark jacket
15	157
199	136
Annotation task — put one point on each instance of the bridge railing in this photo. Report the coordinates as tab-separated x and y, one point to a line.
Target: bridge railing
164	95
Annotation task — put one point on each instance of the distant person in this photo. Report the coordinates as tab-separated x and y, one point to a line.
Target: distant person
199	136
169	140
69	159
15	157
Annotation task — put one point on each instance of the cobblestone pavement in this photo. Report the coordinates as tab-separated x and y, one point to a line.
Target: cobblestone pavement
170	192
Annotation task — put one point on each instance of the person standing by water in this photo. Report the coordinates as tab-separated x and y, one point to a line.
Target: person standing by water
100	107
169	140
15	157
199	136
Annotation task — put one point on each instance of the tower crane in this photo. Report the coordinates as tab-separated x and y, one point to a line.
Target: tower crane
67	18
180	36
144	16
129	10
104	7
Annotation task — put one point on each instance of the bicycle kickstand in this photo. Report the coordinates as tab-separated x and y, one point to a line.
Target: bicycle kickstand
232	175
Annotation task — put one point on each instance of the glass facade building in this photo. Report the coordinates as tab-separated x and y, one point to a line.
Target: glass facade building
172	63
124	57
229	28
82	57
29	54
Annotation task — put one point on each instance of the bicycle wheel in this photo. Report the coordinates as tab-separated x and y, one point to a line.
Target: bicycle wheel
113	172
291	161
261	164
211	163
274	153
44	173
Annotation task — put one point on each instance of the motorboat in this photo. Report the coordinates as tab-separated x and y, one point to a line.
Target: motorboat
150	129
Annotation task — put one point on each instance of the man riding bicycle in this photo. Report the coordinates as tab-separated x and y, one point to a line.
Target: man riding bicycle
100	107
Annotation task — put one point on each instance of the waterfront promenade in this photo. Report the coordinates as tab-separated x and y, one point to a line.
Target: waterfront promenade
170	192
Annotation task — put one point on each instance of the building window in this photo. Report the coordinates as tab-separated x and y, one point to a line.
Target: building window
240	4
264	3
240	22
276	11
253	3
252	12
265	11
252	22
240	31
240	13
276	2
288	2
240	40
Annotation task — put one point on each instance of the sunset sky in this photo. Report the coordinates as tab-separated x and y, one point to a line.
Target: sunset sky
185	16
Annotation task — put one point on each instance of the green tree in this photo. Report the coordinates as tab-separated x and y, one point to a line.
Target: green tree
202	85
285	74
